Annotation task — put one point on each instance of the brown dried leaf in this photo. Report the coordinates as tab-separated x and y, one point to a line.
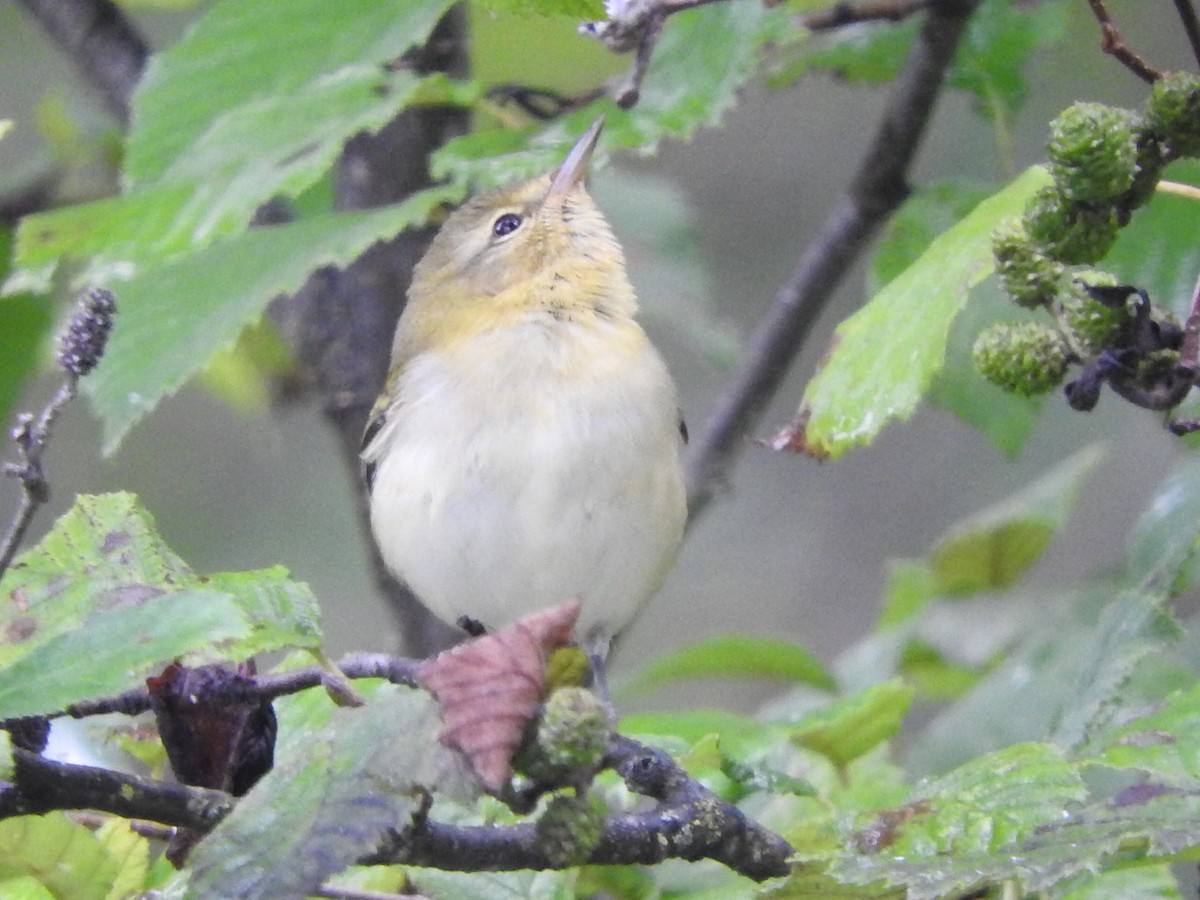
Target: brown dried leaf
488	688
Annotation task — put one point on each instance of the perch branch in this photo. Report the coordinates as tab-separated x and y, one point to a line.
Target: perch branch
104	44
878	188
687	822
1112	43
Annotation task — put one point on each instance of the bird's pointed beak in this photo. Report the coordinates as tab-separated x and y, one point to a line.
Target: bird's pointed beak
574	167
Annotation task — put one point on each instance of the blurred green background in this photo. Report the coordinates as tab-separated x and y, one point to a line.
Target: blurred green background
792	548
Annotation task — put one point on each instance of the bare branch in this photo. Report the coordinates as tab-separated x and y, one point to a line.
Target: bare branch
688	822
878	188
842	14
104	44
80	348
41	785
1191	26
396	669
1112	43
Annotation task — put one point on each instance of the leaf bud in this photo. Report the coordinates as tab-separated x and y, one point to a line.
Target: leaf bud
1070	232
1173	112
1029	276
572	737
1093	151
1028	358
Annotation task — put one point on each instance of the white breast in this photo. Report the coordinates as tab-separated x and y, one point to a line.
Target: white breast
532	466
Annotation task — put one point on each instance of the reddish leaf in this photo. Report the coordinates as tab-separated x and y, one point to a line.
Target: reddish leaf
489	688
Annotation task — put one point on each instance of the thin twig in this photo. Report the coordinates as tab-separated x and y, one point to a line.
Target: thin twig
396	669
30	436
842	14
101	40
1112	43
1191	25
878	188
79	350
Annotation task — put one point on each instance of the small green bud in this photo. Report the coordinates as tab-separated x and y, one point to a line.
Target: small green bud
1029	276
568	830
572	737
1027	358
1173	112
1093	325
1070	232
1093	151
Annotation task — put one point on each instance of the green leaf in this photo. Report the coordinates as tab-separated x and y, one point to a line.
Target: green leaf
1163	543
1155	251
886	355
704	56
173	318
1164	745
1007	419
115	649
1147	883
281	612
101	602
998	43
738	656
495	885
25	887
1068	845
993	549
929	210
872	53
579	9
739	735
850	727
132	854
62	855
1063	678
340	782
217	83
220	127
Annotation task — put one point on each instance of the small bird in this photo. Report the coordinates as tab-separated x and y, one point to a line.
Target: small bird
526	449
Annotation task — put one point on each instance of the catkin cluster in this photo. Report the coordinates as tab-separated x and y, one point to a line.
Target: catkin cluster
1105	163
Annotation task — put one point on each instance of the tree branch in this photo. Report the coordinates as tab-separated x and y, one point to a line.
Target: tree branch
842	14
41	785
878	188
688	822
1191	26
80	347
1112	43
104	44
396	669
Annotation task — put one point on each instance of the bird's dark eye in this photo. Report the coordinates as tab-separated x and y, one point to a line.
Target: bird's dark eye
506	224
